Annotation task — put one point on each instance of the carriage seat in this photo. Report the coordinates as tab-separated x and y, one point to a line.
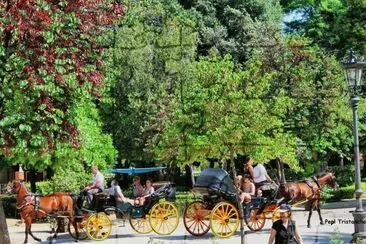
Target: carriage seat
102	194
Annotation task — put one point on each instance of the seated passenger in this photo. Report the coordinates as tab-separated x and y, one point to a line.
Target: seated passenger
247	189
148	190
138	190
237	183
248	167
116	192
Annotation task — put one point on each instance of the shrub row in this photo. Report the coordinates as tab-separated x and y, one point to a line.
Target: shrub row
9	205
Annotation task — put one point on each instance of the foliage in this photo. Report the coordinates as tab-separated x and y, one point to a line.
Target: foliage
182	201
336	239
48	52
9	205
235	27
226	110
345	176
154	41
334	25
319	115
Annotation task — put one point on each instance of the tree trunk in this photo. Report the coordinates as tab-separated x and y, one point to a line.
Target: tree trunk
233	170
282	172
341	162
33	179
4	234
278	173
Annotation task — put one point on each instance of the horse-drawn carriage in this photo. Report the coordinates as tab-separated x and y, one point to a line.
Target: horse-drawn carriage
218	208
157	214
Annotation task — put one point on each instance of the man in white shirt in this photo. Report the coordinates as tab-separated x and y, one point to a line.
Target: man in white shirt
260	177
97	184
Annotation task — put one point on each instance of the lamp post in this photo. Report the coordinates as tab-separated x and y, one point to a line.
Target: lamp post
353	72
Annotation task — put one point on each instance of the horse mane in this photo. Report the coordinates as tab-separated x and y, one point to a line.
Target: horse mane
321	174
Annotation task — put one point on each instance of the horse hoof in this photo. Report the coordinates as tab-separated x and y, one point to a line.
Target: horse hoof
309	226
322	223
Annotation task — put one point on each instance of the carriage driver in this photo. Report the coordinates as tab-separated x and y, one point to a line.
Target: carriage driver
261	178
97	184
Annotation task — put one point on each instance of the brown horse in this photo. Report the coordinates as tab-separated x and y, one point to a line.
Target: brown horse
309	190
33	207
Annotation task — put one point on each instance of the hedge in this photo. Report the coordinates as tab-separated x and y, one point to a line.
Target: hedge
9	205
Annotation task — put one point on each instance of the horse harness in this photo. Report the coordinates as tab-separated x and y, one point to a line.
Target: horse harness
32	200
309	181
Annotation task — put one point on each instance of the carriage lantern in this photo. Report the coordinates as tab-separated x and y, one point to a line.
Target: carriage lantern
19	175
353	71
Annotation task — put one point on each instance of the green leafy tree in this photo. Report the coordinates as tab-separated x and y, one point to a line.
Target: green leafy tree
226	111
334	25
319	116
235	27
155	40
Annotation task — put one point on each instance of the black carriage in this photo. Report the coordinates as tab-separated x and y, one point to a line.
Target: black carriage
158	213
218	207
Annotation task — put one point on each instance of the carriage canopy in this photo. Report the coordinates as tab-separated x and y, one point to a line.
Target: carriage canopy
135	171
216	179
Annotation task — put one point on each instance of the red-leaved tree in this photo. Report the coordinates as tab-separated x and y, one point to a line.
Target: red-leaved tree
49	55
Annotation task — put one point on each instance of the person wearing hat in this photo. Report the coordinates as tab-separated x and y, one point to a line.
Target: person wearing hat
284	230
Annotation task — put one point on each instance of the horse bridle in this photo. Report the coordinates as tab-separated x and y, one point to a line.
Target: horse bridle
19	188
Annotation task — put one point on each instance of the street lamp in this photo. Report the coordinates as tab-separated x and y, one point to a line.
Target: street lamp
353	72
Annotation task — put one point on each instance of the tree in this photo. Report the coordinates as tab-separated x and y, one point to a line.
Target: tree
319	116
154	41
235	27
227	112
48	54
4	234
334	25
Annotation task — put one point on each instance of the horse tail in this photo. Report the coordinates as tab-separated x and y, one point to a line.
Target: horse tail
76	204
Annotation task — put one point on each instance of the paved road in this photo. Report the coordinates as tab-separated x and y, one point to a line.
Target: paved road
316	234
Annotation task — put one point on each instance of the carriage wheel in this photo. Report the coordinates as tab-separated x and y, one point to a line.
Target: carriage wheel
98	227
81	225
275	216
141	225
254	221
196	218
164	218
224	220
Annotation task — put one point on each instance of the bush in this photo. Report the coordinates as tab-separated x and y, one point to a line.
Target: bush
344	193
182	200
9	205
63	181
344	175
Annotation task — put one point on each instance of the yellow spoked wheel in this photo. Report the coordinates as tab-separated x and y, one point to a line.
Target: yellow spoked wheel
275	216
98	227
224	220
255	221
164	218
141	225
196	218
